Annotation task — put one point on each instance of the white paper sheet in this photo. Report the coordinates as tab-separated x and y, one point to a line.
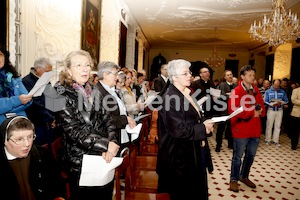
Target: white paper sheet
124	136
135	132
96	172
224	118
40	85
215	92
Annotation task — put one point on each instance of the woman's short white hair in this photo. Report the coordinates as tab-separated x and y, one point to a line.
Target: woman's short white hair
175	65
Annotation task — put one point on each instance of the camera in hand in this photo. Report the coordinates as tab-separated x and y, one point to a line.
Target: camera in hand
257	107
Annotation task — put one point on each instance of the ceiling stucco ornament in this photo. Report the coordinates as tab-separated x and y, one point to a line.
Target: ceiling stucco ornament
189	23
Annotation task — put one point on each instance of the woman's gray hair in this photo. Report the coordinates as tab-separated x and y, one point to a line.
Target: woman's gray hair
106	66
42	62
175	65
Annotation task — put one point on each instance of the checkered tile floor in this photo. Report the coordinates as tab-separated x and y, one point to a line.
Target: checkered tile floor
275	171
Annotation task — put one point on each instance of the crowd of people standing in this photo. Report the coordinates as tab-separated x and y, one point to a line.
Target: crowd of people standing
97	110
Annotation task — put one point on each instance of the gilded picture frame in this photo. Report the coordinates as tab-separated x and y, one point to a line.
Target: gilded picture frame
90	37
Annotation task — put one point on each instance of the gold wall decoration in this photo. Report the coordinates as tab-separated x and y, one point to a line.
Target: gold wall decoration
282	61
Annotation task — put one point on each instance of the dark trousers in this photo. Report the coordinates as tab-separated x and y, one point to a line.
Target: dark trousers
294	129
224	126
263	121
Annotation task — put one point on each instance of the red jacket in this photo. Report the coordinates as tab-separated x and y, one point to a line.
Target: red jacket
245	125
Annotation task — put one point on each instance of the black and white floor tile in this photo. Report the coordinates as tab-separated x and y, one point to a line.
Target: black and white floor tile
275	171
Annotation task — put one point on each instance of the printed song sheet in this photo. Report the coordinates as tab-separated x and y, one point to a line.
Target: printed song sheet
96	172
40	85
224	118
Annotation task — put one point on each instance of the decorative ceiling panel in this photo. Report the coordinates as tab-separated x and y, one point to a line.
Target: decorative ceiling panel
192	23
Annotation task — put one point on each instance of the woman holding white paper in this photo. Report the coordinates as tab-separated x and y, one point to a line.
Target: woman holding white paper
87	127
14	97
183	153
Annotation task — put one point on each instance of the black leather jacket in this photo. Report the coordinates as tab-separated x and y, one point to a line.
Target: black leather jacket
79	137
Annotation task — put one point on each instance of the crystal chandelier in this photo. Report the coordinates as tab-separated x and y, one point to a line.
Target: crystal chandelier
280	28
215	60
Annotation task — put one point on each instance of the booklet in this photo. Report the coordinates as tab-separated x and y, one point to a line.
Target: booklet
96	171
224	118
275	101
215	92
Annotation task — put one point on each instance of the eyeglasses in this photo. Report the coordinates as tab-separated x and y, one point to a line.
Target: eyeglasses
113	73
186	73
21	140
81	66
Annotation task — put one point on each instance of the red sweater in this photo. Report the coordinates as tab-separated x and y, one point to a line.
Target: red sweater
245	125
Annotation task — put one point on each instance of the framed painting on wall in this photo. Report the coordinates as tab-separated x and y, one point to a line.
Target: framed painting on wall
90	40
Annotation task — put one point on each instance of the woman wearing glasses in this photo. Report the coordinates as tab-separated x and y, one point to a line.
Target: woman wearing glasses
27	171
183	147
87	127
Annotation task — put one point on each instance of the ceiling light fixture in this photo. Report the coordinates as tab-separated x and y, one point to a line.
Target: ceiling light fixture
215	60
280	28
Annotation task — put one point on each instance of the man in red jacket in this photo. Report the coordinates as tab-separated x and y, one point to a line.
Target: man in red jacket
246	127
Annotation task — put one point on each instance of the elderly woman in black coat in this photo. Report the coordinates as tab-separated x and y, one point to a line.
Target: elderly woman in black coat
87	127
183	147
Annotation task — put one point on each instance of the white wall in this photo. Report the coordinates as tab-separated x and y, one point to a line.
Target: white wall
50	28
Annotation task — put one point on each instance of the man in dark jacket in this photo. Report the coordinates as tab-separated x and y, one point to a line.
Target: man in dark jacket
202	87
107	73
42	118
226	87
162	79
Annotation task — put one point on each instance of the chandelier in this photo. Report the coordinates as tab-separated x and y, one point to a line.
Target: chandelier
215	60
280	28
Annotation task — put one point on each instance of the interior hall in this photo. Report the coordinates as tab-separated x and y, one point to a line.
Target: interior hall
143	35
